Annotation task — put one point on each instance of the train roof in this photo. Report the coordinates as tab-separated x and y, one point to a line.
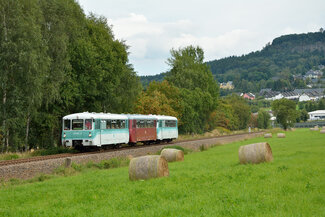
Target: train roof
138	116
93	115
164	117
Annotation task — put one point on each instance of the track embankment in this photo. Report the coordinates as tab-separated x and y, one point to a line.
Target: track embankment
29	169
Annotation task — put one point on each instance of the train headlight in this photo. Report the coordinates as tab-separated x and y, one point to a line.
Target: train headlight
89	134
64	135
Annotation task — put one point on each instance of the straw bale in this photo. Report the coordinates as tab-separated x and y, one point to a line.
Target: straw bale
146	167
281	135
255	153
314	128
322	131
172	154
268	135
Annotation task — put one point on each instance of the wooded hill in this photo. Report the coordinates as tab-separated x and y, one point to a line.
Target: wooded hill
272	67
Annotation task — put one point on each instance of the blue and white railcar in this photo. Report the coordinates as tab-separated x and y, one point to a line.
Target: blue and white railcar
94	129
167	128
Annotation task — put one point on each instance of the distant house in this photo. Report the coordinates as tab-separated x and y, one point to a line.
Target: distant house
291	95
249	96
272	95
317	115
304	97
313	74
310	94
228	86
297	94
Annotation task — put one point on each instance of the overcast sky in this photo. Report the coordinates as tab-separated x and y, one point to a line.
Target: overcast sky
221	27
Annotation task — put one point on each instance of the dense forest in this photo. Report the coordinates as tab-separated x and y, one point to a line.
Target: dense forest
55	60
272	67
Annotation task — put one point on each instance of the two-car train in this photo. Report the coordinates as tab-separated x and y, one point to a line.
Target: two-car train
105	129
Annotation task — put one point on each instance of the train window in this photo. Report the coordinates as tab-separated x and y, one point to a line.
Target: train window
77	124
122	124
134	123
108	124
118	124
160	123
103	124
88	124
113	124
67	124
97	124
150	123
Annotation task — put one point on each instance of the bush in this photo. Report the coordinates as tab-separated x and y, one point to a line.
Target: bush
10	156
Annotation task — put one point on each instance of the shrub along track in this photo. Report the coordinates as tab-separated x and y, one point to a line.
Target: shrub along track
65	155
31	167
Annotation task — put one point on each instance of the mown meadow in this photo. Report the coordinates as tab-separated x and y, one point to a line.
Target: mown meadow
207	183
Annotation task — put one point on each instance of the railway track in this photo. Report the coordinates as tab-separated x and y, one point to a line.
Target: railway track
64	155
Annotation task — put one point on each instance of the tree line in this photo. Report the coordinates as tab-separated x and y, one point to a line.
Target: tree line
190	93
55	60
274	66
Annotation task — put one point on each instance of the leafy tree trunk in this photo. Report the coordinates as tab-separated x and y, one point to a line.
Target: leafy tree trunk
4	99
27	131
4	95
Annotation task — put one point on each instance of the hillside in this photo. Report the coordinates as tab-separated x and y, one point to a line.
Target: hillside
273	66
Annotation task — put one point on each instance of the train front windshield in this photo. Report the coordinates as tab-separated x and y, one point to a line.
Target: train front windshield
78	124
67	124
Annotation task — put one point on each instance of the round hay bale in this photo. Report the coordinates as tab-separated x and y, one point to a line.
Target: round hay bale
281	135
268	135
322	131
314	129
146	167
172	154
255	153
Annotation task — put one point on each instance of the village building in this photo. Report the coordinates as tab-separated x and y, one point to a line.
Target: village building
228	86
313	74
297	94
317	115
249	96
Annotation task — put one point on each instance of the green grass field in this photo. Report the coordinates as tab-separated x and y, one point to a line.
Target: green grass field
208	183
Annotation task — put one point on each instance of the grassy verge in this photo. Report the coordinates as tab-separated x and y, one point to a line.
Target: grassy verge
40	152
209	183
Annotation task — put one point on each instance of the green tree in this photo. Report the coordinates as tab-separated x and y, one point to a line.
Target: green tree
304	115
263	119
197	86
160	98
25	63
241	110
285	112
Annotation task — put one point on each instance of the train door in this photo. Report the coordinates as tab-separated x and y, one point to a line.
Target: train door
163	129
102	131
159	130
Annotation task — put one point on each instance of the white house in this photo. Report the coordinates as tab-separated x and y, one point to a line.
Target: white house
317	115
304	97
